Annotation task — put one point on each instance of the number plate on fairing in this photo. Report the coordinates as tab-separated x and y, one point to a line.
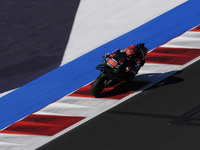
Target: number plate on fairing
112	62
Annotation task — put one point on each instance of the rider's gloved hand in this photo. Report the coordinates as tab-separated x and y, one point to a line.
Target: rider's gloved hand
107	54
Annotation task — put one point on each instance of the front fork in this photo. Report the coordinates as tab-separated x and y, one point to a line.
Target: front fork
107	81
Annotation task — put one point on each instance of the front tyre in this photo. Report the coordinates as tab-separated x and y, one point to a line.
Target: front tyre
97	86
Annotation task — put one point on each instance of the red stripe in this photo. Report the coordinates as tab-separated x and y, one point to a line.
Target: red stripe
44	125
197	29
174	56
118	91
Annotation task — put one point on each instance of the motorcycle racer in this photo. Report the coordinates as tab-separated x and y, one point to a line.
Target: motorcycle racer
135	56
121	65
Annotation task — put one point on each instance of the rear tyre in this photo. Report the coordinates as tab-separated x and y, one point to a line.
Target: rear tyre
97	86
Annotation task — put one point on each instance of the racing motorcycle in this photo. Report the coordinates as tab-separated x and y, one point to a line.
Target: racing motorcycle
111	73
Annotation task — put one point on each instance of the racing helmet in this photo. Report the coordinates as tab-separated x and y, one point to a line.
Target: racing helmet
130	50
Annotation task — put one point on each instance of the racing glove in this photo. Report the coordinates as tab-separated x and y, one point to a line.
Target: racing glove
106	54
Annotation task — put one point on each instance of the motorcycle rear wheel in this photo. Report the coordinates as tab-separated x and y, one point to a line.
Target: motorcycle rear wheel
97	86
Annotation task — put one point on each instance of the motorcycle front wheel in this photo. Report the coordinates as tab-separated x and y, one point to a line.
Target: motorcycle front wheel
98	86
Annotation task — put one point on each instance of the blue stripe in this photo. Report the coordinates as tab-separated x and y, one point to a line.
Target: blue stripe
81	71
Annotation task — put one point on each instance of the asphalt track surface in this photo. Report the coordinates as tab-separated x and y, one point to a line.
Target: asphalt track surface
163	117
